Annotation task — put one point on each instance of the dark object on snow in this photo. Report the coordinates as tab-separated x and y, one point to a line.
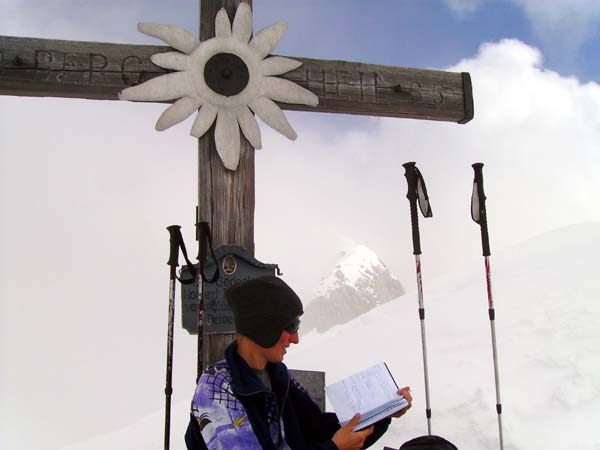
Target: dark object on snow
431	442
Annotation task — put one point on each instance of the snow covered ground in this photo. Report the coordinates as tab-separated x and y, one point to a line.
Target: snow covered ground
546	294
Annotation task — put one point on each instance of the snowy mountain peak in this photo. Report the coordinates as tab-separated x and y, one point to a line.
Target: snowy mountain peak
352	266
358	283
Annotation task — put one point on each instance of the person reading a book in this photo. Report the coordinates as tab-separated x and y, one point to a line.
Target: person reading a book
249	401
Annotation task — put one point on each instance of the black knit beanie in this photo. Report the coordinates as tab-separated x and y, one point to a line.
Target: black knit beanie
262	308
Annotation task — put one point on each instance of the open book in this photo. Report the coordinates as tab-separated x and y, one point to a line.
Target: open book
372	393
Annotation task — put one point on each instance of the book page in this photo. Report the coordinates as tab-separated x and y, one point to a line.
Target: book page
363	392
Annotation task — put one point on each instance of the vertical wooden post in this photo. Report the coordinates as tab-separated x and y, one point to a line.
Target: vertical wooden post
225	198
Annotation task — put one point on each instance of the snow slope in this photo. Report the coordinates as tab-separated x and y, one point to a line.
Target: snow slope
547	319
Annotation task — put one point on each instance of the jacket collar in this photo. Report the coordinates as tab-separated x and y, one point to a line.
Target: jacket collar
243	379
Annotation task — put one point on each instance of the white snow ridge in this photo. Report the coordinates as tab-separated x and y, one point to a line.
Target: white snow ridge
358	283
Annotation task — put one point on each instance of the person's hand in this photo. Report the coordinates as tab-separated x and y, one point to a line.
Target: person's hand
404	392
346	439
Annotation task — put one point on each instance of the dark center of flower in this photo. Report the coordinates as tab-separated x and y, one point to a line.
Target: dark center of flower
226	74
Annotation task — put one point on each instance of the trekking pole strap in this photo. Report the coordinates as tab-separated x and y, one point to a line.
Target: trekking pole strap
204	236
417	192
411	195
176	243
478	210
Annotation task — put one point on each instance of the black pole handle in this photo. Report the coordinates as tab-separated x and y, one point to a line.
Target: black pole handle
176	243
174	240
478	210
412	196
204	236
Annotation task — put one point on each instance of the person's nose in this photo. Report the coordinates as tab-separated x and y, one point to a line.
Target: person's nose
294	338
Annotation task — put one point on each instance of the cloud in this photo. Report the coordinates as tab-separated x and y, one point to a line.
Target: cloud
535	130
464	8
106	21
564	23
564	26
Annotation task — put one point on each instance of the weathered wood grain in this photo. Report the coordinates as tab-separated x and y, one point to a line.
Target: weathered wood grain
226	198
226	202
93	70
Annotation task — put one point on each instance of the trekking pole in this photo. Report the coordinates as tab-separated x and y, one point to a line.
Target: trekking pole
174	237
479	215
176	242
201	258
418	192
204	237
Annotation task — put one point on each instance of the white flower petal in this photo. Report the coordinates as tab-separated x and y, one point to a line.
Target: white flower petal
171	60
277	65
222	24
227	138
206	117
176	37
242	23
164	87
282	90
177	112
265	41
270	114
249	126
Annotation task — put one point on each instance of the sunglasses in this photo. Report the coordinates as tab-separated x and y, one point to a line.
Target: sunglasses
293	326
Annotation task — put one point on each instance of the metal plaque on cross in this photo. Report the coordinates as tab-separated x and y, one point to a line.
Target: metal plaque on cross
236	264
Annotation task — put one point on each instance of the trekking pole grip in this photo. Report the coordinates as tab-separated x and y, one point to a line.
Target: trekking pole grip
174	239
478	180
202	231
412	179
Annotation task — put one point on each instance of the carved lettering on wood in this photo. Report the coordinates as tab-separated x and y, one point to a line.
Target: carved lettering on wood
42	67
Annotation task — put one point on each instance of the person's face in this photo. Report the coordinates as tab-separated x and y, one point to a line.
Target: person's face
276	353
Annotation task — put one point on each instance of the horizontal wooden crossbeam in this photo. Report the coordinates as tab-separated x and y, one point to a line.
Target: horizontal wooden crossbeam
93	70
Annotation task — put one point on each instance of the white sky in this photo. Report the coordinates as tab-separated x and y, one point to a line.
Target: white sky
88	188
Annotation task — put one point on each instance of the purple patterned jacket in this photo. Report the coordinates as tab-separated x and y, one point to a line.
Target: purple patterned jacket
233	410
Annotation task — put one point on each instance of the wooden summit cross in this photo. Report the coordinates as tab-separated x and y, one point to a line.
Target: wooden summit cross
91	70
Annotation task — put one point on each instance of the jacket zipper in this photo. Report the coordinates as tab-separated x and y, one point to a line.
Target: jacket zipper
279	436
268	392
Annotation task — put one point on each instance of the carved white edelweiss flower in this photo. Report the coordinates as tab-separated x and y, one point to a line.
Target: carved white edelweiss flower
227	77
